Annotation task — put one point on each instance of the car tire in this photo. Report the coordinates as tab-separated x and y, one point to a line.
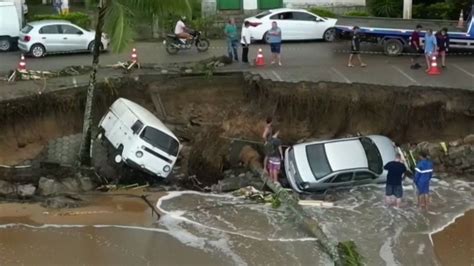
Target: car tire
37	50
329	35
5	44
90	47
393	47
264	38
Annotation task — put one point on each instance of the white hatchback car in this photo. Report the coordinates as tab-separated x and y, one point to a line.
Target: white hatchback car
319	165
295	24
43	37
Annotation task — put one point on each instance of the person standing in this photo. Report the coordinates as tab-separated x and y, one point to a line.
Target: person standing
245	42
430	47
230	31
355	47
268	130
274	39
415	46
57	5
442	39
274	153
393	187
423	174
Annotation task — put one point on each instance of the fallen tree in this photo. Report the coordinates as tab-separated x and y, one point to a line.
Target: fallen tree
343	253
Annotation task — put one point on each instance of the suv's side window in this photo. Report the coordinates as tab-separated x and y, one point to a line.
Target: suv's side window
137	126
363	176
67	29
281	16
50	29
343	177
303	16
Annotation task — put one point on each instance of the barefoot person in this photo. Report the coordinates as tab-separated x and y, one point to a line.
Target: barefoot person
274	153
423	174
430	47
393	188
355	48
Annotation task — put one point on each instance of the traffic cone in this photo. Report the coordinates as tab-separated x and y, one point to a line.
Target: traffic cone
134	56
259	61
22	64
434	69
461	20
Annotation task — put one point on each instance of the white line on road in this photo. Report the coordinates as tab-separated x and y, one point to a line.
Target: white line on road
406	75
341	75
463	70
277	76
74	82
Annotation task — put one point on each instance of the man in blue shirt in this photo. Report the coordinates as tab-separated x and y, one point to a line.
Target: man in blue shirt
423	174
393	188
274	39
430	47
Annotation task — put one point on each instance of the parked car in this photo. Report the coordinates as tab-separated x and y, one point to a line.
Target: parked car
43	37
139	139
295	24
10	25
319	165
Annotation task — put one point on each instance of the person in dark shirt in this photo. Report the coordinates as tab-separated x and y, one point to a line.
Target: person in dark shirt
274	155
415	46
355	47
442	39
393	188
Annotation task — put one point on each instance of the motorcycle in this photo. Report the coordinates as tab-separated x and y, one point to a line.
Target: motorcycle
173	44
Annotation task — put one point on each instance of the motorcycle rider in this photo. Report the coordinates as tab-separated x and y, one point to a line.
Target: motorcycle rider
181	31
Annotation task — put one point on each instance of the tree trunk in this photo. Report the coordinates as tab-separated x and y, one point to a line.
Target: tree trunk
85	151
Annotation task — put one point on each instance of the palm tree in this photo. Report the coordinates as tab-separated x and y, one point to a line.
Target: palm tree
116	18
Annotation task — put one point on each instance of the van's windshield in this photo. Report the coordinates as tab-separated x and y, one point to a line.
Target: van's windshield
160	140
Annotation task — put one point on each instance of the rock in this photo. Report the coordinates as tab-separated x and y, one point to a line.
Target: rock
6	189
86	183
187	71
71	184
60	202
26	191
49	187
432	149
469	139
164	71
455	143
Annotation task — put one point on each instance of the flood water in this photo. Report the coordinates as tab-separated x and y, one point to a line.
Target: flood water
205	229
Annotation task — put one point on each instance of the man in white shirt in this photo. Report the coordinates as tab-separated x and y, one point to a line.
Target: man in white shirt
245	41
181	31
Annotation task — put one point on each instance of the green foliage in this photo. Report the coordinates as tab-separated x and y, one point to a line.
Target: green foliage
322	12
441	10
81	19
356	13
276	202
349	254
385	8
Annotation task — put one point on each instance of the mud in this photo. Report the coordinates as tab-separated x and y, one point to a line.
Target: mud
206	113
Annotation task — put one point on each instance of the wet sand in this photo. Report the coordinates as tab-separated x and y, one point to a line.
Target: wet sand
455	244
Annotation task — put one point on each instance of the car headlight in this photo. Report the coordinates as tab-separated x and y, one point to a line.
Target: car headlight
304	185
167	168
139	154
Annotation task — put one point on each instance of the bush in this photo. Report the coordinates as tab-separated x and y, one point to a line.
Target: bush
78	18
356	13
433	11
385	8
322	12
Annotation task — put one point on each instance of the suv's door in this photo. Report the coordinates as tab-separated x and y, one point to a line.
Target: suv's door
307	26
51	38
73	38
363	177
286	24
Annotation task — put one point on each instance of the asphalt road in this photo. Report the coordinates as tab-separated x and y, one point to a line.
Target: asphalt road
312	61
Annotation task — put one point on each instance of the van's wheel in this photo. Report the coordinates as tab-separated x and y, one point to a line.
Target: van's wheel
330	35
5	44
393	47
117	156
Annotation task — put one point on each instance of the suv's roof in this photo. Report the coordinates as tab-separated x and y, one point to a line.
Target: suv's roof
48	22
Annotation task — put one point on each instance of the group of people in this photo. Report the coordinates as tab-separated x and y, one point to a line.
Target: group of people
396	171
433	45
273	37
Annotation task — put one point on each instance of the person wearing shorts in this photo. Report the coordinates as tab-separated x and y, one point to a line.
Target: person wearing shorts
355	47
415	47
423	174
430	47
393	187
274	39
274	153
442	39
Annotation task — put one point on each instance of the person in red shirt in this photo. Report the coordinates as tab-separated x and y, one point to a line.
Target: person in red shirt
415	46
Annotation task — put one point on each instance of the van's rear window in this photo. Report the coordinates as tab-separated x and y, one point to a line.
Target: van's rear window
160	140
27	28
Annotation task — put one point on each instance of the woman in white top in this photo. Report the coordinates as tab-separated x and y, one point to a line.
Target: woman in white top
245	41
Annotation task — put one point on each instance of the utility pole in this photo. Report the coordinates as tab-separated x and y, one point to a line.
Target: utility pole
407	8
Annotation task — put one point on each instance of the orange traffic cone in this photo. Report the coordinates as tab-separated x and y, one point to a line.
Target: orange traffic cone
22	64
259	61
434	69
134	56
461	20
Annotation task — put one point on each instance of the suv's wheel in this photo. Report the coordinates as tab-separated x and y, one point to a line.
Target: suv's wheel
5	44
37	50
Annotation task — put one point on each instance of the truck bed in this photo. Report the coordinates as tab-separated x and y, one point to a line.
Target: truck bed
395	23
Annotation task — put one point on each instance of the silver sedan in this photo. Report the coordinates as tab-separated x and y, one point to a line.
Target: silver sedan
43	37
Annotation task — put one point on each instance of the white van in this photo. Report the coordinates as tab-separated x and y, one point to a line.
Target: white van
140	139
10	25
